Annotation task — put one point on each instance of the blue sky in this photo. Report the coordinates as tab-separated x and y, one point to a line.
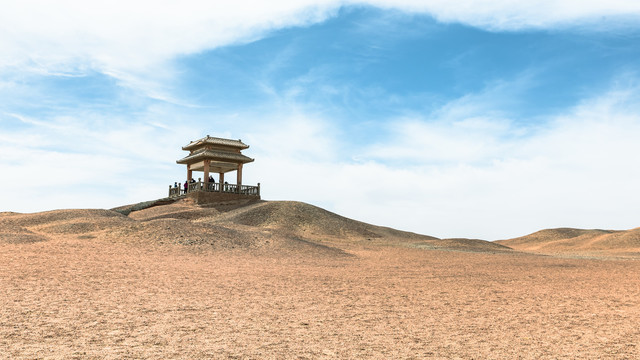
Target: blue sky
453	120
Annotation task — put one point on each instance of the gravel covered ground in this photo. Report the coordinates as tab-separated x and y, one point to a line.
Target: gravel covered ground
96	299
75	288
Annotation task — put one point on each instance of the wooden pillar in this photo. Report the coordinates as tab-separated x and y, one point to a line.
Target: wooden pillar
221	181
189	173
239	176
206	172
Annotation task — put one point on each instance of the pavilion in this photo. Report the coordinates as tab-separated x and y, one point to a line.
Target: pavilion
215	155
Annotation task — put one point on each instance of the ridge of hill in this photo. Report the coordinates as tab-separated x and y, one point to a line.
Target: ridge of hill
282	226
579	242
307	220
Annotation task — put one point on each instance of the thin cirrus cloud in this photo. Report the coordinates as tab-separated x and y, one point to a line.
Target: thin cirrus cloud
495	180
465	174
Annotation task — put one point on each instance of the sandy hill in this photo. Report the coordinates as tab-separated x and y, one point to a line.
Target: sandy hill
260	226
27	228
579	242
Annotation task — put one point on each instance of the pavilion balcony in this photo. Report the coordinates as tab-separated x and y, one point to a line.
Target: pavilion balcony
247	190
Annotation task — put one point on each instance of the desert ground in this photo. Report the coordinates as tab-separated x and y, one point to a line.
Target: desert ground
288	280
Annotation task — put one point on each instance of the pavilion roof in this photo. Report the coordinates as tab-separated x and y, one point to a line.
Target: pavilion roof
209	140
215	155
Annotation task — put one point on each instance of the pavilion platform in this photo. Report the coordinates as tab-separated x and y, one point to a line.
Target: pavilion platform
205	193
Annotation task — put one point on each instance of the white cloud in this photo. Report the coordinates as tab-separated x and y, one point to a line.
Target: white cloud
133	35
120	37
415	141
471	128
137	42
579	170
484	178
84	161
515	15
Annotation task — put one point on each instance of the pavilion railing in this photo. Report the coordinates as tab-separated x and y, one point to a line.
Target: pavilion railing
215	187
174	191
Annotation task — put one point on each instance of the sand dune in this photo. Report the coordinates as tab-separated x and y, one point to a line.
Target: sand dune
282	226
309	221
463	244
578	241
296	221
265	225
19	228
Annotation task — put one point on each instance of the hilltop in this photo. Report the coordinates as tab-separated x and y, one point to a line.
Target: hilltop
257	226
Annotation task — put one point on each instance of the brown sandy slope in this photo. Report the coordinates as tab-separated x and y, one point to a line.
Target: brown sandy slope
264	226
296	221
579	242
28	228
80	298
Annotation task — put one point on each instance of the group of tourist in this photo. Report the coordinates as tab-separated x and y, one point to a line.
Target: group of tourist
192	181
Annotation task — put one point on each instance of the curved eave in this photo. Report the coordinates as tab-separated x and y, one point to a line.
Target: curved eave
218	156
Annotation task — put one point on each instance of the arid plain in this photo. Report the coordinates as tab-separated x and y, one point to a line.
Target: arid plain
292	281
